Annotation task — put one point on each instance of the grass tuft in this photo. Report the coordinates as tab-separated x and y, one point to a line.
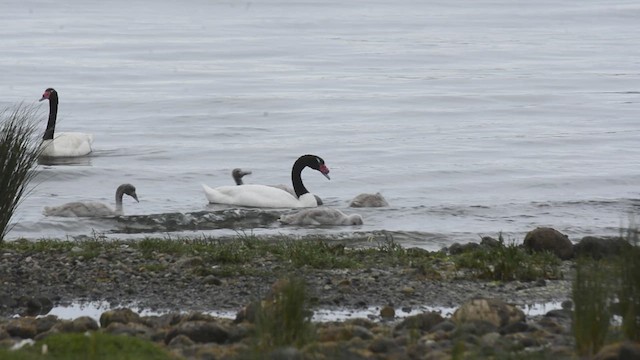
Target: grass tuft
284	319
591	295
506	262
19	151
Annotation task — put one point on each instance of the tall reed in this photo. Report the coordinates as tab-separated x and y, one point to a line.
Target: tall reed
283	319
19	150
591	295
628	289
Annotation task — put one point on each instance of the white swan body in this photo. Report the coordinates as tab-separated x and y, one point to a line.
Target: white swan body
254	195
369	200
238	174
265	196
69	144
321	216
92	208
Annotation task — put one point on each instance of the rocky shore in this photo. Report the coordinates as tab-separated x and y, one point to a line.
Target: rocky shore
185	287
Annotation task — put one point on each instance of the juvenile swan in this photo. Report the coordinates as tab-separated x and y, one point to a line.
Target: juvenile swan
238	174
67	144
270	197
369	200
92	208
321	216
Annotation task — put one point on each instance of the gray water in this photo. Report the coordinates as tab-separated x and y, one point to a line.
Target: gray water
470	117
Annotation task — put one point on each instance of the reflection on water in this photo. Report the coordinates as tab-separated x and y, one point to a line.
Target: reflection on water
56	161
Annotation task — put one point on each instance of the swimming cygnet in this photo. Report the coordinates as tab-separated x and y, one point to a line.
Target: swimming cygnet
369	200
238	174
321	216
92	208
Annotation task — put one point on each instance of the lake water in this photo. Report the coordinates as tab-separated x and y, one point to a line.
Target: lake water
470	117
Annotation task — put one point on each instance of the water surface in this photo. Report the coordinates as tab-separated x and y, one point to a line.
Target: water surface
470	117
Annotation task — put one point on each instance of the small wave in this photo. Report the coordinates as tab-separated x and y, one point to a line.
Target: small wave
196	221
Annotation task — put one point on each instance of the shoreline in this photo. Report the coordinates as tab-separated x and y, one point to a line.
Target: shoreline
177	283
166	280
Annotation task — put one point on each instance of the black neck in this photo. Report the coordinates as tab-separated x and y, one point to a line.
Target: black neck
296	178
53	115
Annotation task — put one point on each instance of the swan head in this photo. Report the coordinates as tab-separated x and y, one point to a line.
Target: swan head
355	219
48	94
238	174
317	163
129	190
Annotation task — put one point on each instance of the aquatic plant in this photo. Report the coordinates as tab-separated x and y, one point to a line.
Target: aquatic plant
19	151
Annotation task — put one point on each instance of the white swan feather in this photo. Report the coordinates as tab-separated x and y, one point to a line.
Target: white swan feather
67	144
255	195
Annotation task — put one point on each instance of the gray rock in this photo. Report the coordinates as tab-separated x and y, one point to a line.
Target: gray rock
494	311
446	326
598	248
382	345
200	332
424	322
180	341
285	353
548	239
124	316
24	327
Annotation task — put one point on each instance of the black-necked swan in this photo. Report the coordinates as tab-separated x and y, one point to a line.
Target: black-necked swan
238	174
92	208
369	200
321	216
63	144
264	196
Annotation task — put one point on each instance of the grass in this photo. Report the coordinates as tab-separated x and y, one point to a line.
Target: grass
628	291
283	319
239	256
591	298
93	346
602	288
507	262
19	151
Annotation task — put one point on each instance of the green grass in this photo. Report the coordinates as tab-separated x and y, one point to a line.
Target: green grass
591	293
602	288
628	289
93	346
19	151
240	255
507	262
284	319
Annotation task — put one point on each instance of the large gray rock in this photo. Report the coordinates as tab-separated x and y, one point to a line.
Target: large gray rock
548	239
123	316
493	311
200	332
598	248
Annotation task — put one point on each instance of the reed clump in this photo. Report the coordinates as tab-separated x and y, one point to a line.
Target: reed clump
283	318
602	289
19	150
